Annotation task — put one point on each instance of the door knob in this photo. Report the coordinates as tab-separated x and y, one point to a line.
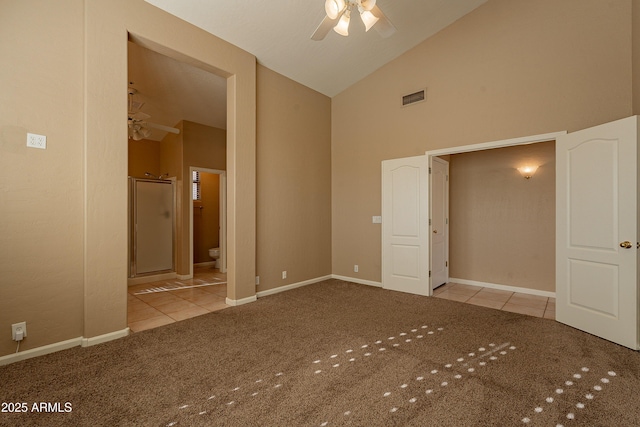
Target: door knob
626	244
435	231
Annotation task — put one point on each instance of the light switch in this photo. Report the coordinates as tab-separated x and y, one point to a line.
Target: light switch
377	220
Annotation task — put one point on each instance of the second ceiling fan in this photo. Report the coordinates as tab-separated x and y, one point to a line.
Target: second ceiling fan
339	16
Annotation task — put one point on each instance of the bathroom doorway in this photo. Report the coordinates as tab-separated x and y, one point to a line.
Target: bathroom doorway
208	219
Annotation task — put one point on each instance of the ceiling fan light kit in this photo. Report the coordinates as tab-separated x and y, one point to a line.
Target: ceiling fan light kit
369	19
339	16
342	27
334	8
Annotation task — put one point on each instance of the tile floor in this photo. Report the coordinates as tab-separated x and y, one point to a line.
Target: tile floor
532	305
159	303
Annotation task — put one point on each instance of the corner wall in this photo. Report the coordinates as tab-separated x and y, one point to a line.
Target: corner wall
293	182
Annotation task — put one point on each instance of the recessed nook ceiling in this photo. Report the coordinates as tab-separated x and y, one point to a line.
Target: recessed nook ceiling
172	91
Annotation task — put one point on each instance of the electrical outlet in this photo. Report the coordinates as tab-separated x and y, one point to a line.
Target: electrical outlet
355	268
36	141
257	280
284	274
16	327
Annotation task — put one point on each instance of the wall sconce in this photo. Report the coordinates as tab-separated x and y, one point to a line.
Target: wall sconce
527	171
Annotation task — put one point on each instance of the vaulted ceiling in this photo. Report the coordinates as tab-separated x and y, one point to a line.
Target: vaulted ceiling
278	33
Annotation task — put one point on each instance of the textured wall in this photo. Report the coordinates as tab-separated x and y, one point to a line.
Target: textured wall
502	226
42	191
294	181
510	68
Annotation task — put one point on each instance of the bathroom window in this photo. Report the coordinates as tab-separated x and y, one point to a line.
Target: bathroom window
196	185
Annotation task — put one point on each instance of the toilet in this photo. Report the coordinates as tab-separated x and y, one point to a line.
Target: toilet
215	254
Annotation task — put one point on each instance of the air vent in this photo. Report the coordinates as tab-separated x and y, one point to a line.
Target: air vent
412	98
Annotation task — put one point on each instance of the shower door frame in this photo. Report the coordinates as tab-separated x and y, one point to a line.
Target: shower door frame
133	219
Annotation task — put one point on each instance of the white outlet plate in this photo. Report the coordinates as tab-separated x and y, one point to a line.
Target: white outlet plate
257	280
17	326
36	141
284	274
376	219
355	268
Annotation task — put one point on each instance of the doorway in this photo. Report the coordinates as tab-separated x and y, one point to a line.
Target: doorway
395	277
497	212
208	218
179	115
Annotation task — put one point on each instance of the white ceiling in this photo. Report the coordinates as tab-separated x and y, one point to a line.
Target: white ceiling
278	33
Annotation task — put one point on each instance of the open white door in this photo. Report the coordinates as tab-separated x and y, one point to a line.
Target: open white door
439	222
596	231
405	228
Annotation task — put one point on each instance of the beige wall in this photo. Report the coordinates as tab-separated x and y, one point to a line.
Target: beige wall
293	181
144	156
42	191
68	203
502	226
510	68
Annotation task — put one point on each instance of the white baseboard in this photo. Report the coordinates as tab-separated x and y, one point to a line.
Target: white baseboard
153	278
40	351
291	286
356	280
529	291
184	276
62	345
241	301
87	342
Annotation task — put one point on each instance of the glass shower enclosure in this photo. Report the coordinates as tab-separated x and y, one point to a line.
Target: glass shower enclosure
151	226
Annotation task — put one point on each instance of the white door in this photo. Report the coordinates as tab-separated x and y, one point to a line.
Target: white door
405	239
439	222
596	231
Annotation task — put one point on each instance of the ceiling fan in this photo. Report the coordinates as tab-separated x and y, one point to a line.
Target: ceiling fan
339	16
139	128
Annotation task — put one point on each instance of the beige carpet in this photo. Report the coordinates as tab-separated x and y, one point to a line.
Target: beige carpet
336	354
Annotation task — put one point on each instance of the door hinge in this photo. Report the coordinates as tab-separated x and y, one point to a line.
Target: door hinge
429	169
429	221
446	220
446	263
429	273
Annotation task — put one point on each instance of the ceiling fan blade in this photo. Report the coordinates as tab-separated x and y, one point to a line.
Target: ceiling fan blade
323	29
384	27
162	127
